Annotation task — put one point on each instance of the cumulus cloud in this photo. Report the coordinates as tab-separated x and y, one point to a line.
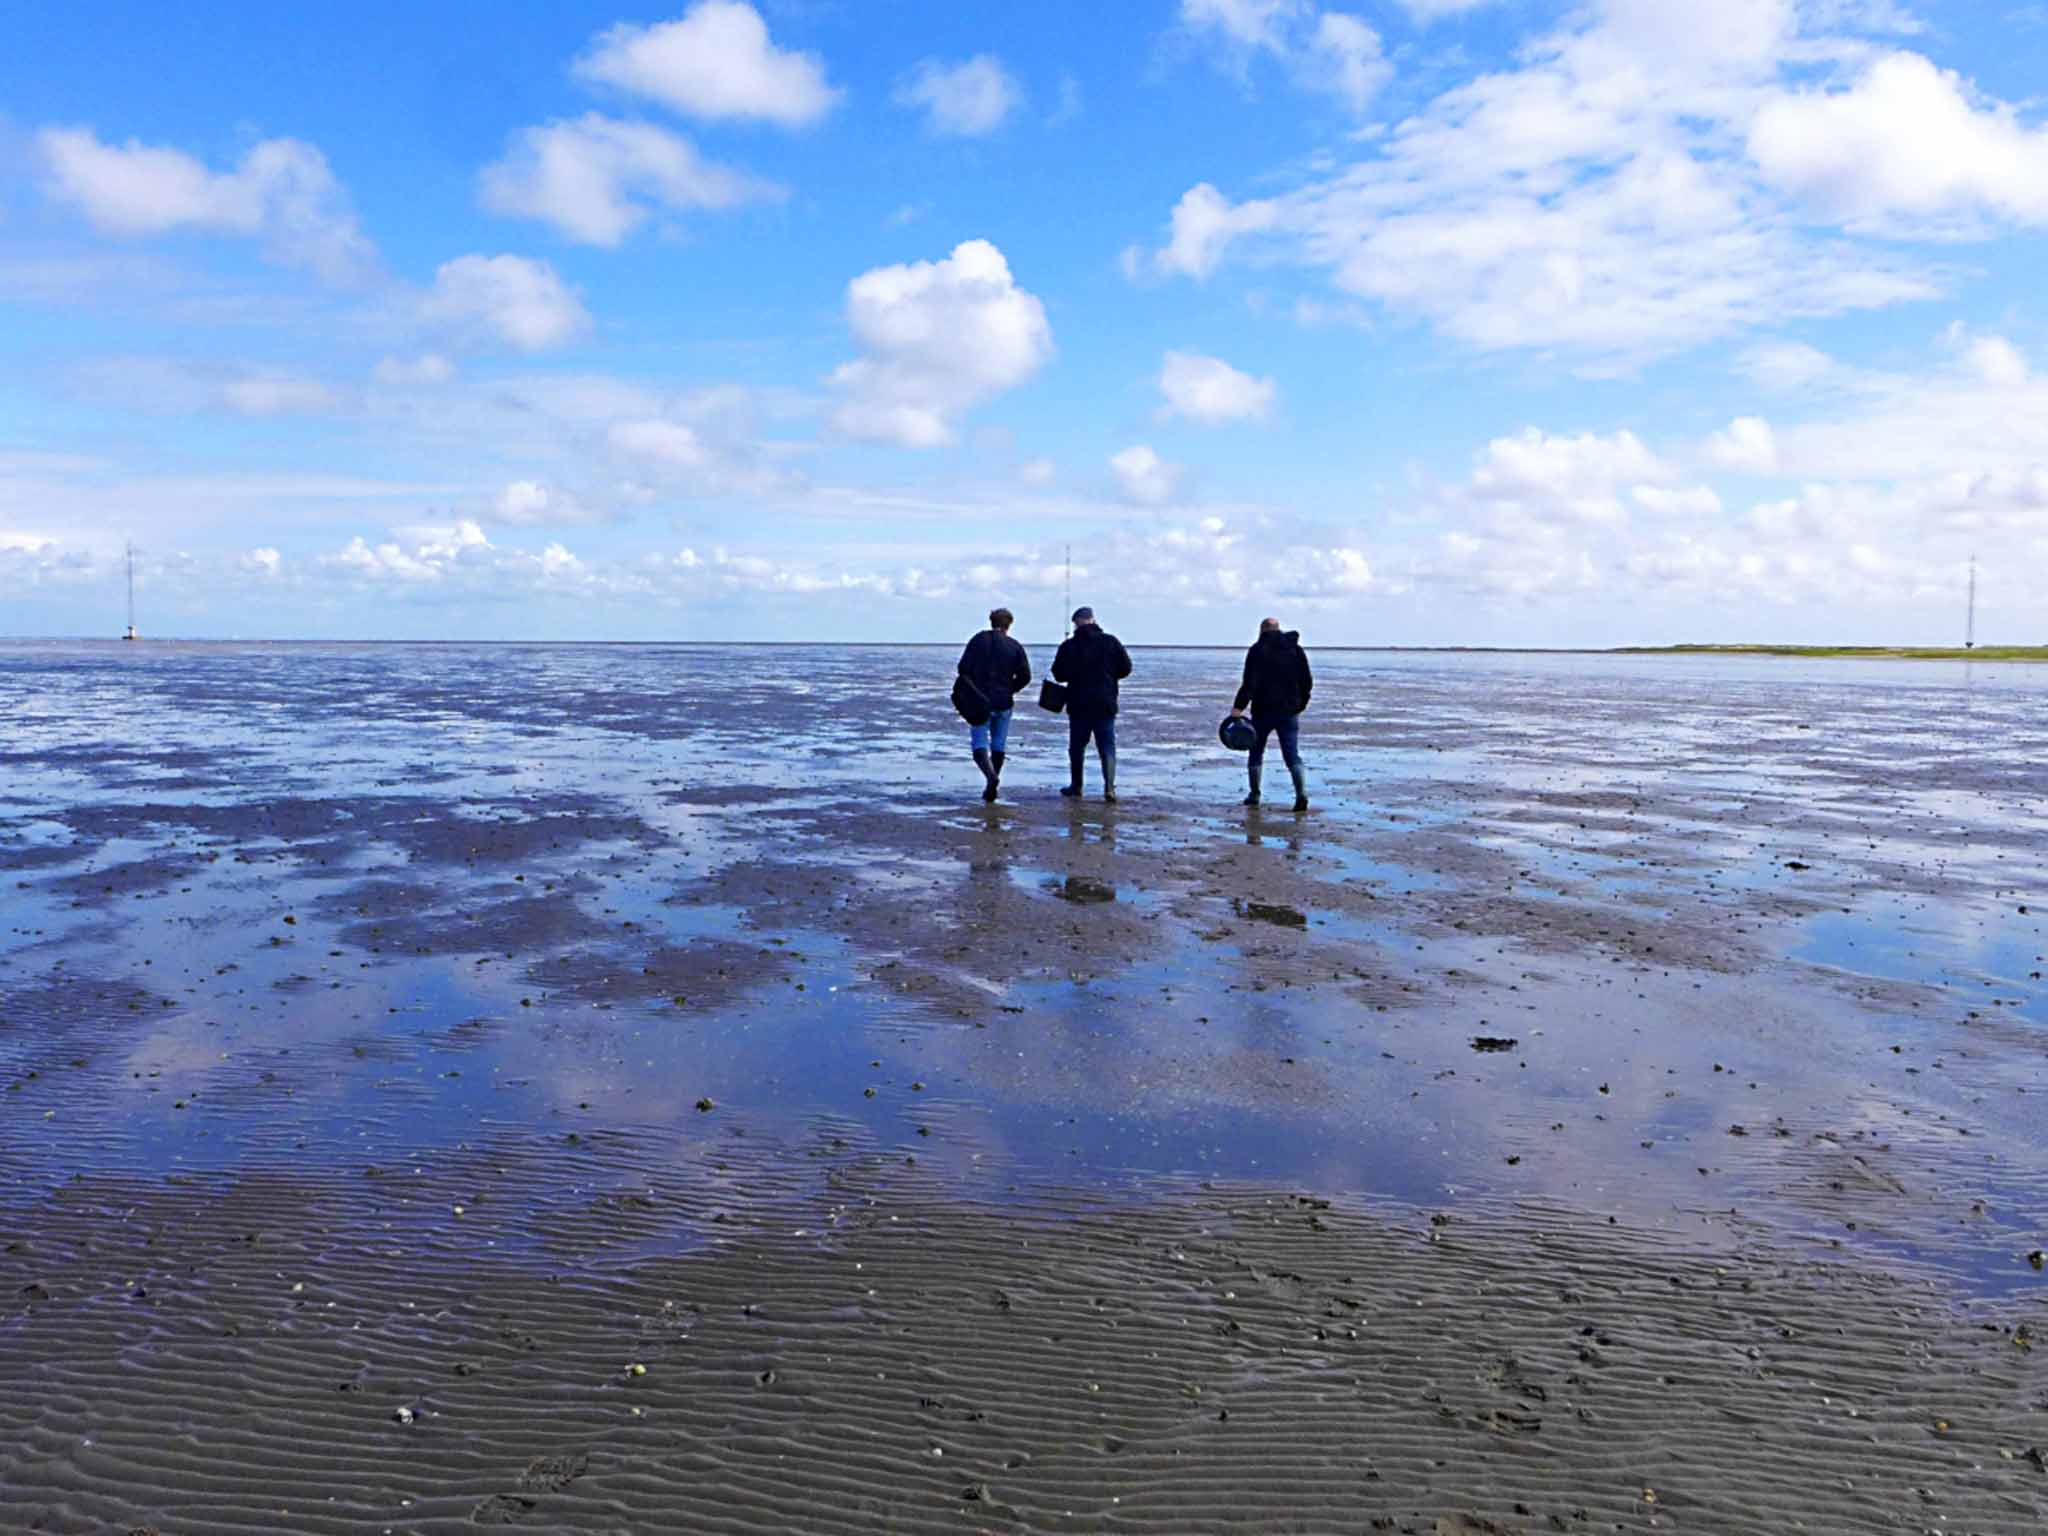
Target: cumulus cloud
966	100
717	61
1990	359
1343	57
1906	145
1548	478
529	503
1746	444
937	338
1143	476
282	194
596	179
521	303
1599	195
1209	390
1203	227
1330	51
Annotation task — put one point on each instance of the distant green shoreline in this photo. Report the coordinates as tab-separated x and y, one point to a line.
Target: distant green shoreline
1851	652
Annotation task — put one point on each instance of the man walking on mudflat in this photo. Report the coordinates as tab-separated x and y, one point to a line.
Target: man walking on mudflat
997	665
1276	686
1091	664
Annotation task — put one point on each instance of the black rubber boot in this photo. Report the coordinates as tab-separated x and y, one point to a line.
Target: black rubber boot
988	773
1252	774
1300	788
1076	757
1109	776
997	759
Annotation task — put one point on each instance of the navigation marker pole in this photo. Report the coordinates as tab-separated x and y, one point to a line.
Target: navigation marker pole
131	635
1970	628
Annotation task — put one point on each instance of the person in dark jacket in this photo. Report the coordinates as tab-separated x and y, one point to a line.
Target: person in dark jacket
1091	664
1276	687
997	665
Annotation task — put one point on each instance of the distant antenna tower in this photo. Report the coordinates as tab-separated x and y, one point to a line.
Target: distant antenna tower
1970	626
1069	629
131	635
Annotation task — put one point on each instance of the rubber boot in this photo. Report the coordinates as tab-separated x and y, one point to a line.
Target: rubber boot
988	773
1252	772
1300	787
1076	756
1109	776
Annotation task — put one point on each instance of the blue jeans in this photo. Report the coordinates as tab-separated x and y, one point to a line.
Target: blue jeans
993	734
1079	729
1288	728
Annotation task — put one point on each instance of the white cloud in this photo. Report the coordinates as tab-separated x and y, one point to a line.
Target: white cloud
1989	359
1426	11
282	193
596	179
1261	24
1334	52
1143	476
1204	225
717	61
937	338
1746	444
1209	390
1570	479
1037	472
1785	366
526	503
171	386
427	368
965	100
1594	196
265	562
668	443
276	394
1344	59
508	299
1908	144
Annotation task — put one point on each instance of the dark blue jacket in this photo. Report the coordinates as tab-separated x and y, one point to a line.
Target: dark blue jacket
1091	663
997	665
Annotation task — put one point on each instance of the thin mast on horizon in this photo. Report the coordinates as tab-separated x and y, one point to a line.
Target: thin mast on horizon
1970	624
131	635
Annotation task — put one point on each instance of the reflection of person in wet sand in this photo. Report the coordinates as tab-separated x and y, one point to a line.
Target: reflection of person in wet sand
1091	663
1276	687
997	665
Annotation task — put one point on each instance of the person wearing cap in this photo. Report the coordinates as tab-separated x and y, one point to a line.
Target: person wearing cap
1276	687
998	666
1091	663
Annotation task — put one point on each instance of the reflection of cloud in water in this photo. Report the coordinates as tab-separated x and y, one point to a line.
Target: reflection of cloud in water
1461	804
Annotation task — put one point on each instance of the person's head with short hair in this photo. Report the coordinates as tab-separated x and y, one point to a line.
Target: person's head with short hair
1001	619
1084	615
1269	626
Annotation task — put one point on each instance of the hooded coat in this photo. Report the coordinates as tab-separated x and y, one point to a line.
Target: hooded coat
1091	663
1276	676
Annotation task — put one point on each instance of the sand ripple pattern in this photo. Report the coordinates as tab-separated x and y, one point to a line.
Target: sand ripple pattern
855	1349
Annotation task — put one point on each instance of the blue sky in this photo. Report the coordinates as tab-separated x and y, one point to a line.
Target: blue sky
1414	322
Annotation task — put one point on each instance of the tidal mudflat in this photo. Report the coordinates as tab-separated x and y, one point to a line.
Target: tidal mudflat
633	1088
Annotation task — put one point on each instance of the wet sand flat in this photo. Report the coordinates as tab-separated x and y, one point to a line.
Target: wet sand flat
1619	1103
